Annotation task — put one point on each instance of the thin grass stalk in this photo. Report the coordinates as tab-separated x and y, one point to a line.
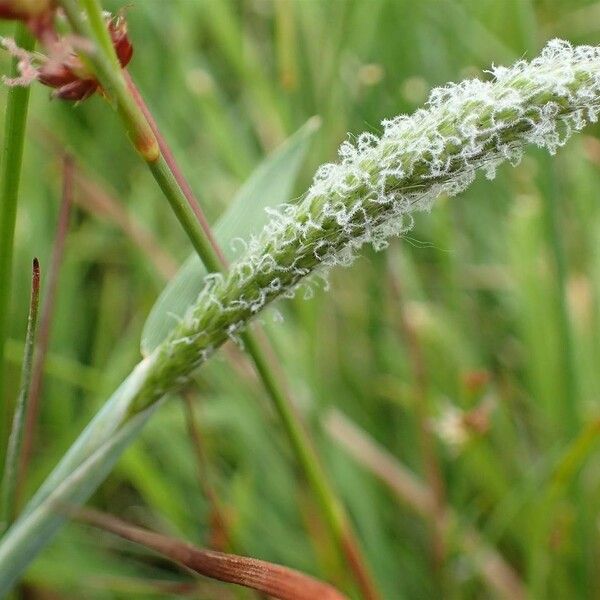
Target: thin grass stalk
174	166
169	177
10	175
10	479
167	182
93	12
47	317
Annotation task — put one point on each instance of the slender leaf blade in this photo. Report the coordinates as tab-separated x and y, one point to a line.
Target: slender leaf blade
36	528
100	429
10	478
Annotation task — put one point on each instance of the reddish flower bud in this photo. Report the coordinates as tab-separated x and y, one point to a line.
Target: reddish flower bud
61	68
118	32
77	91
55	75
68	76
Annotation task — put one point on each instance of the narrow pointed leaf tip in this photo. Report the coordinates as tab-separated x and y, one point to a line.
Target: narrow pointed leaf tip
10	478
269	578
271	184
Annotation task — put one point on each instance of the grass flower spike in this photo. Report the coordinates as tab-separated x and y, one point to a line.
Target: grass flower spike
371	193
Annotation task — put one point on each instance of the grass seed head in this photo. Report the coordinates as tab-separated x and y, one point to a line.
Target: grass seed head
371	193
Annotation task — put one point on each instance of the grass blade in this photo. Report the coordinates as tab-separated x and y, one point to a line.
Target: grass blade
13	454
10	175
102	427
37	374
40	523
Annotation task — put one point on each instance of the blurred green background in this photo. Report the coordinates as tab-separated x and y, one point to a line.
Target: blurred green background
481	326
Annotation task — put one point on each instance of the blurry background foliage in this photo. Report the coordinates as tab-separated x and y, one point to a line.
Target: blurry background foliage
483	321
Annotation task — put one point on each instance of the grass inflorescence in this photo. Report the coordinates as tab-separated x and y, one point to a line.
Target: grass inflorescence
371	194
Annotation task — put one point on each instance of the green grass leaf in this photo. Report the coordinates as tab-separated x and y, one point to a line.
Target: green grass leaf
11	158
100	429
270	185
11	475
43	518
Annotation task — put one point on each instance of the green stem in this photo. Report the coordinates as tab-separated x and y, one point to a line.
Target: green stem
299	438
114	82
104	62
13	455
332	508
10	176
184	213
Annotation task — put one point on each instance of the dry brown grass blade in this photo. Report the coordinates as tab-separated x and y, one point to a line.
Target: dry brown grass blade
411	490
275	580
